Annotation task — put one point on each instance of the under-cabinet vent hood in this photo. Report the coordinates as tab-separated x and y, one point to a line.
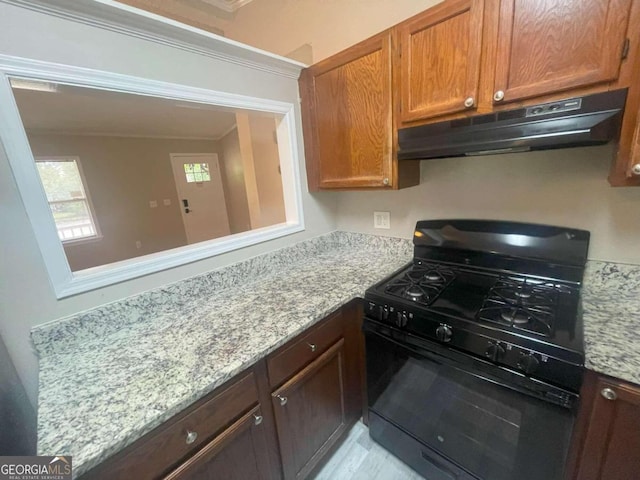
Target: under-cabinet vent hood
589	120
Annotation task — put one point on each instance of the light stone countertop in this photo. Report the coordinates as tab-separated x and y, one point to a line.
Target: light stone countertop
109	377
112	374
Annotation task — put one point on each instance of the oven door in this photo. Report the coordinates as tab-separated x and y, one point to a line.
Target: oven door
450	418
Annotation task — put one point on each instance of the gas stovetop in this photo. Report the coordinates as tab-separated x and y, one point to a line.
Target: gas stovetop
515	311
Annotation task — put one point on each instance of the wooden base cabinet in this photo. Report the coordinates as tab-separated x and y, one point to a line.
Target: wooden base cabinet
310	412
608	431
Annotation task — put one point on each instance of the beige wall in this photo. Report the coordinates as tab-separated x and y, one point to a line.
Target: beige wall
233	181
26	296
282	26
123	175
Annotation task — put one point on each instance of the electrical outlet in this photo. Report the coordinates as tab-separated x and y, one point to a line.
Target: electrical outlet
166	202
381	220
153	203
138	244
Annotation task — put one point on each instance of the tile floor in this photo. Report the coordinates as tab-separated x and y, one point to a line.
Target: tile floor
360	458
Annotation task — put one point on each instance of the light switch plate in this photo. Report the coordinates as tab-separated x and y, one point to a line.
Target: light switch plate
382	220
166	202
153	203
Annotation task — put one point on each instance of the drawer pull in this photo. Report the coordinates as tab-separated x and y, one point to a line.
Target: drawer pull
636	169
609	393
498	96
312	346
191	437
258	419
283	400
469	102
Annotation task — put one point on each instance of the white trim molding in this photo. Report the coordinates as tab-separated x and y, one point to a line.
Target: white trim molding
117	17
14	139
229	6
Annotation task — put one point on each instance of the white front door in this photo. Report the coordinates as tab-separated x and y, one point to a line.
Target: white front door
200	194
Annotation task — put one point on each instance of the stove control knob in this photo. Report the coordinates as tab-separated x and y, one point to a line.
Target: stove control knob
495	351
384	313
528	363
402	319
444	333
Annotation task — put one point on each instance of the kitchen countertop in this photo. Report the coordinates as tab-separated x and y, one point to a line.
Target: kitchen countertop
112	374
109	376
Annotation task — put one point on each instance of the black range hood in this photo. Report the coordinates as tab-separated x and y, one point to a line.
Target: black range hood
590	120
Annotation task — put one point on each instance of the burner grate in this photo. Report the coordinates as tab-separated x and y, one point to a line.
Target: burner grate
422	283
522	303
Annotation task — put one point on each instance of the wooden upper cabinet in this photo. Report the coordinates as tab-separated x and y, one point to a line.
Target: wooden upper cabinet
348	119
547	46
439	62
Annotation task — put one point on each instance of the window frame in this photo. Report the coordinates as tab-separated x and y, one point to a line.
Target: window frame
87	198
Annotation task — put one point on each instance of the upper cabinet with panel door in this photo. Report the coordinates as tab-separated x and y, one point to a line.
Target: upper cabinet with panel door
549	46
349	130
439	60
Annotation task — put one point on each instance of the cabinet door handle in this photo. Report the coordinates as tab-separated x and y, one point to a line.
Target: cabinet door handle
469	102
636	169
312	346
385	181
609	393
283	400
258	419
498	96
191	437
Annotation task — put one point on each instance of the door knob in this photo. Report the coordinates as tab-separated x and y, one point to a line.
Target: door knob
283	400
498	96
469	102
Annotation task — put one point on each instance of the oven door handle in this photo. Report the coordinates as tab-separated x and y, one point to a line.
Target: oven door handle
468	364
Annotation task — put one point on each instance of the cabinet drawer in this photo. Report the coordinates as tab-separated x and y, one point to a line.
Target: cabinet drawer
163	448
291	358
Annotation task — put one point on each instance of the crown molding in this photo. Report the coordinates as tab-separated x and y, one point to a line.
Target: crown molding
117	17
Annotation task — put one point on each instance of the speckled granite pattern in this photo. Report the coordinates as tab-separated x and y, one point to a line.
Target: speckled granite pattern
611	302
111	375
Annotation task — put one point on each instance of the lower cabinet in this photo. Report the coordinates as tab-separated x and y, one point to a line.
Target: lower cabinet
607	435
310	412
236	454
277	419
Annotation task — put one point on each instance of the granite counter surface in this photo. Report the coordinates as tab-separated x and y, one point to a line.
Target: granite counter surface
611	303
112	374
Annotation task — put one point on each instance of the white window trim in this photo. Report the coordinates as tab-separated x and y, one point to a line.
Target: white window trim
87	195
14	139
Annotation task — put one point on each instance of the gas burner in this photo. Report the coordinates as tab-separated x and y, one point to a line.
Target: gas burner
522	303
421	284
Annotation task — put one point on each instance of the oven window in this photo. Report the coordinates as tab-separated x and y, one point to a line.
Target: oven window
489	430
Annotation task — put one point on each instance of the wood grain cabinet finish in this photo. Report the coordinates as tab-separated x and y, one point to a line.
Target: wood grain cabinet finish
548	46
439	61
348	120
310	412
238	453
608	430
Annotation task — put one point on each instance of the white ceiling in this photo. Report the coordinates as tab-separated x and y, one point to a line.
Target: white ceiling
85	111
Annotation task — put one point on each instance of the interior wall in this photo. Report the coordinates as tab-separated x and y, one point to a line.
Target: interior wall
233	181
266	160
123	175
283	26
26	296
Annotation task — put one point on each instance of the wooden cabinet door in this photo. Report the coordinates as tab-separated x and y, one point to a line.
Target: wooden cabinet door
310	412
611	449
347	117
440	60
546	46
238	453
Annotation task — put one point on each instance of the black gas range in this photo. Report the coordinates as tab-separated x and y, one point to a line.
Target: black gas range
489	312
